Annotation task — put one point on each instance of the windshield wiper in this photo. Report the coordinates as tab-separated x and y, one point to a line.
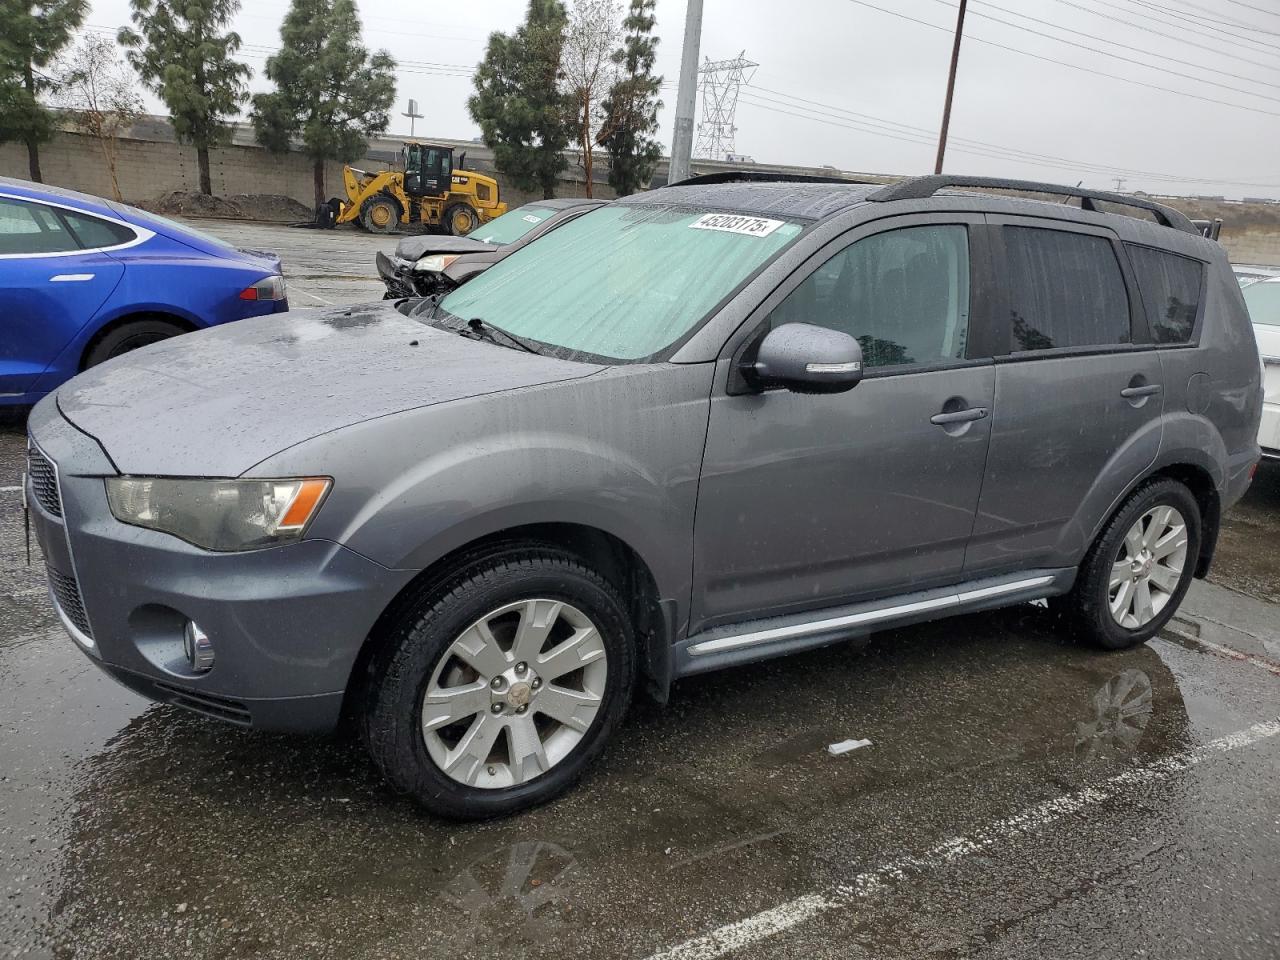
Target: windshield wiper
486	329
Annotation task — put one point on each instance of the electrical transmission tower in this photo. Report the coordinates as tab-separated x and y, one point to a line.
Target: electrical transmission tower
720	82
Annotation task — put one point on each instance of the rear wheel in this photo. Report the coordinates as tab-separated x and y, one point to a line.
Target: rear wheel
460	219
130	336
380	214
1140	567
497	689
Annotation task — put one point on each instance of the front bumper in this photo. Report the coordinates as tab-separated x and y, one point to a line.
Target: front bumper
287	622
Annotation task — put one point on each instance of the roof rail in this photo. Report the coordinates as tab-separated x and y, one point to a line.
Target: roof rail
760	176
918	188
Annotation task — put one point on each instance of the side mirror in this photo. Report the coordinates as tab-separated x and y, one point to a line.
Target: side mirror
805	358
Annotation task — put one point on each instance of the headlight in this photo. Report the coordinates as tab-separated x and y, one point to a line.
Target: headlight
435	263
219	514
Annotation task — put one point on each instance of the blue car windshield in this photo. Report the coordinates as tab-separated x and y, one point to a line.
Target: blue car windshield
622	282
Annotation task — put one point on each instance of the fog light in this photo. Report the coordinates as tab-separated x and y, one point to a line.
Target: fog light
198	647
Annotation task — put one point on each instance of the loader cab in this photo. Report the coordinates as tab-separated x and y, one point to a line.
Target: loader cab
428	169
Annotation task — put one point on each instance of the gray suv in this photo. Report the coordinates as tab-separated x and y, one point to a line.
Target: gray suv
695	428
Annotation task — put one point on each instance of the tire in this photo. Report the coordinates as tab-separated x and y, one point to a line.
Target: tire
460	219
380	214
1091	601
440	765
130	336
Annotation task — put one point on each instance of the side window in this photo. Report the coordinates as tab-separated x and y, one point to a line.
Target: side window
93	233
1170	286
32	228
903	294
1065	290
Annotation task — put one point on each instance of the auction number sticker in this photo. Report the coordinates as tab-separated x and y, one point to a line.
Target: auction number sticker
732	223
530	218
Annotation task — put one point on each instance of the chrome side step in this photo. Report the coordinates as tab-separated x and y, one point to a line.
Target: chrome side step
776	636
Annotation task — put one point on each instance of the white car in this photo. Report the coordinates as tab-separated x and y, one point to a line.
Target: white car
1263	298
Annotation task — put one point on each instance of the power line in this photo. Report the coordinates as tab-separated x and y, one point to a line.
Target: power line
1146	13
1202	22
1114	56
911	134
1230	22
1234	54
1074	66
1241	3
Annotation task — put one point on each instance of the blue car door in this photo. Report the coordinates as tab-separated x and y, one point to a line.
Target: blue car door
52	282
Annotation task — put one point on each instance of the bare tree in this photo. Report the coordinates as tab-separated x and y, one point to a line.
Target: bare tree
100	95
593	33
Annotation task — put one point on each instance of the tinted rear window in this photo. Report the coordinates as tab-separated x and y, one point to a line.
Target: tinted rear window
1170	287
1065	290
93	233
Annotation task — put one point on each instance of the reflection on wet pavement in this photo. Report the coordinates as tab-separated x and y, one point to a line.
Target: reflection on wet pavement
132	830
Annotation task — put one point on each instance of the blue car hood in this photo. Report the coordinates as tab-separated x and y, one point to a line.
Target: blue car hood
217	402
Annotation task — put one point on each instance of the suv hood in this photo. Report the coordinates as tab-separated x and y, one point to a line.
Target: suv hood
216	402
413	249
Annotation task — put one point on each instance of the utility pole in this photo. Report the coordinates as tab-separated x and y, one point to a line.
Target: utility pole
686	95
951	88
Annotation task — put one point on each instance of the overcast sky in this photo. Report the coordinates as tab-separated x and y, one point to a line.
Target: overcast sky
857	85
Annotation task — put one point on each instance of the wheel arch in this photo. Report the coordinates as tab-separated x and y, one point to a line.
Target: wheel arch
605	552
123	320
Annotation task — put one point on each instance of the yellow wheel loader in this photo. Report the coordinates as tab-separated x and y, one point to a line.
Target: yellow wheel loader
429	191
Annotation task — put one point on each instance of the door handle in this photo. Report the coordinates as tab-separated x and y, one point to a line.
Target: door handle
70	277
959	416
1146	390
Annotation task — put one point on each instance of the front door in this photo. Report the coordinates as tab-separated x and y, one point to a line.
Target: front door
50	287
1081	395
808	500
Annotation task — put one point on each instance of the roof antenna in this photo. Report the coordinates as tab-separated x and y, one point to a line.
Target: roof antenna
1079	184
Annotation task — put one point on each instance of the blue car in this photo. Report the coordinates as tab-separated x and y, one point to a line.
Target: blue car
84	279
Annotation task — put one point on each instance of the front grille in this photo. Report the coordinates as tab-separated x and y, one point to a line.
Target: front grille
67	594
211	705
44	481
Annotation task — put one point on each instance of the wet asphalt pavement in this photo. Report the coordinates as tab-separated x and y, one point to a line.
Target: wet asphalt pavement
1021	797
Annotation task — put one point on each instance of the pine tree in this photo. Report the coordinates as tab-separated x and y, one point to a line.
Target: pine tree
184	56
34	33
632	105
330	92
519	103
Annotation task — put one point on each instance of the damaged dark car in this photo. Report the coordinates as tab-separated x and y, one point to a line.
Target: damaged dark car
426	266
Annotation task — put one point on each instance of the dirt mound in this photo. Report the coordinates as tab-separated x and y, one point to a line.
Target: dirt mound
239	206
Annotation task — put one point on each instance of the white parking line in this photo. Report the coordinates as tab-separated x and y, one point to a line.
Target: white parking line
754	929
10	489
1232	654
308	293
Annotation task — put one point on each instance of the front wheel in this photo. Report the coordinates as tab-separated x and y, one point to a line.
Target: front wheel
1140	567
460	219
380	214
497	689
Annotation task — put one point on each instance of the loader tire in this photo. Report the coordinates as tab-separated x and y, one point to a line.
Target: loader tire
380	214
460	219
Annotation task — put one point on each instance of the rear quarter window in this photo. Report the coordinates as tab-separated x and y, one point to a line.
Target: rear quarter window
1170	287
94	233
1065	290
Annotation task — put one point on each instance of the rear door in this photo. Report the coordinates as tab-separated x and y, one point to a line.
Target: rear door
1079	394
53	278
812	500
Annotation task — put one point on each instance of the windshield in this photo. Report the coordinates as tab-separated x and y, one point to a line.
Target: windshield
622	282
1263	300
511	226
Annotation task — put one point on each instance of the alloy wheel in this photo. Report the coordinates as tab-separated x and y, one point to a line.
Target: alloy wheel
1148	567
514	694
